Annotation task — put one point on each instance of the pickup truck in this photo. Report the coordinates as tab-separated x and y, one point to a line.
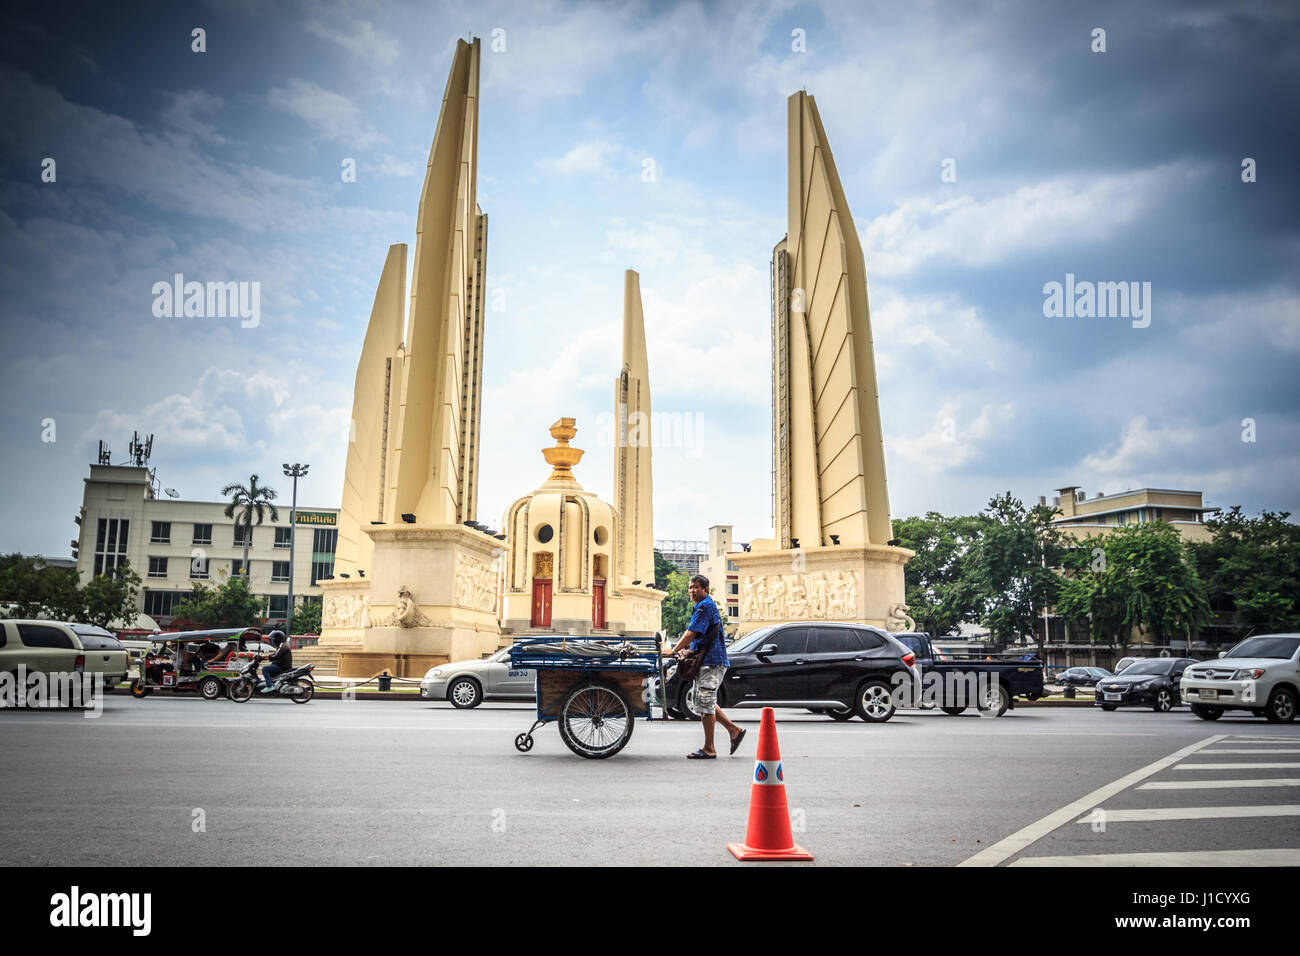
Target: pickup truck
954	683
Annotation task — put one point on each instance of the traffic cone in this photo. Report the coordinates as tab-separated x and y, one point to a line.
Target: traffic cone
768	835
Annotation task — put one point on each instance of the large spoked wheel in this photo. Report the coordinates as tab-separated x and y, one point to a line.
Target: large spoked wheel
304	691
595	721
1280	708
465	692
994	701
874	702
210	688
1206	712
240	690
686	702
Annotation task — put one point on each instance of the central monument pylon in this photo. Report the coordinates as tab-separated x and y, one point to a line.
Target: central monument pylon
831	558
414	580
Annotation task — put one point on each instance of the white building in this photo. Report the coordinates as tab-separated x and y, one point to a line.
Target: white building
173	543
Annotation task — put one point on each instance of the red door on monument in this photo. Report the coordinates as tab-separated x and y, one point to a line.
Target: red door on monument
598	604
541	602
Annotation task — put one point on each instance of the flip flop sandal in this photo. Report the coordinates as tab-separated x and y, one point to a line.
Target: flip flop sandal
735	741
701	755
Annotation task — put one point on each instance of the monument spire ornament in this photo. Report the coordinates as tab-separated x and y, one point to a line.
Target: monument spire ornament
561	457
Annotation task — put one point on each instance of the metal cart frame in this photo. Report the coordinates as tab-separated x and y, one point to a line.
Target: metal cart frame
594	698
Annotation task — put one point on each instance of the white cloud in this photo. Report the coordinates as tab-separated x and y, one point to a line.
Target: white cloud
180	115
334	116
360	39
590	158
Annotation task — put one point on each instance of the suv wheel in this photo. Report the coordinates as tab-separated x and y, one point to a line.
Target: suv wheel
1280	708
874	702
1206	712
994	701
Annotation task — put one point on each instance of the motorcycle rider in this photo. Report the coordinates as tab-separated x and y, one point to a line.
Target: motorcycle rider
278	663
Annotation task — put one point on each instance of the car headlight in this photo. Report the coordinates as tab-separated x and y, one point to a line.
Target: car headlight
1143	685
433	674
1249	674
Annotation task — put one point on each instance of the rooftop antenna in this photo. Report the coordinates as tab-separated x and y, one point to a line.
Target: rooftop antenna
105	455
140	449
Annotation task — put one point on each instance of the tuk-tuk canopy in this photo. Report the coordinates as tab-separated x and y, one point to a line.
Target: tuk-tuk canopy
220	634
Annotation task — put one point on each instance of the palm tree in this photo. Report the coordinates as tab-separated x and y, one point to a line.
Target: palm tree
249	501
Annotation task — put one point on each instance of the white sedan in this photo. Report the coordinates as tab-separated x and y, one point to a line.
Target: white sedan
469	683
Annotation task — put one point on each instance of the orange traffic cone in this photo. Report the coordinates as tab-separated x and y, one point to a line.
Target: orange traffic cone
768	835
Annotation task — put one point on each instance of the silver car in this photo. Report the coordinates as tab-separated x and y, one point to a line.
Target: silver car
469	683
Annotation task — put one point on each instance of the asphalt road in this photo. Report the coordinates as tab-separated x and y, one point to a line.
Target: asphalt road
383	782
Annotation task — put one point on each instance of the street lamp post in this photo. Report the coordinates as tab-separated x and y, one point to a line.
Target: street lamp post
294	471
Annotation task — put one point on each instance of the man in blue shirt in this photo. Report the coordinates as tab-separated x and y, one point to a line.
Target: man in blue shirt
712	667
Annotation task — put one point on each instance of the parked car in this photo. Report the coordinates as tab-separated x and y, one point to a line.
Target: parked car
54	647
469	683
1150	682
1124	662
100	647
961	682
837	669
1260	675
1081	676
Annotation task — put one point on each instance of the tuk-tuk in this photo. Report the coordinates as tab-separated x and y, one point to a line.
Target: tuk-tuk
202	661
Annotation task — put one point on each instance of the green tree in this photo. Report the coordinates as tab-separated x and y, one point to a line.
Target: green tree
245	502
229	604
306	617
940	588
1012	569
1251	567
677	606
1135	577
111	597
664	570
33	587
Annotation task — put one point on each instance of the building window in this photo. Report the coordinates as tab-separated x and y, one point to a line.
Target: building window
157	567
243	535
160	603
203	534
324	541
161	533
199	568
282	537
733	587
279	570
237	566
278	605
1122	518
733	611
110	544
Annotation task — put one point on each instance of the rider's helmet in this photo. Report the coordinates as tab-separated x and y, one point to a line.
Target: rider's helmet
276	638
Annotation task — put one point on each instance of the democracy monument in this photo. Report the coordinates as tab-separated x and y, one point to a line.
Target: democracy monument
419	581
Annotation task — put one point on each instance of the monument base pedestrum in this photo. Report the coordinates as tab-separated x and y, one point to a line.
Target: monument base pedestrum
430	598
862	584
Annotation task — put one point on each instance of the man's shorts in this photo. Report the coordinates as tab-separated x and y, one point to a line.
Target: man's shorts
706	688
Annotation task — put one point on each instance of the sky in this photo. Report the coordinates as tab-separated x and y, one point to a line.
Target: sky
986	151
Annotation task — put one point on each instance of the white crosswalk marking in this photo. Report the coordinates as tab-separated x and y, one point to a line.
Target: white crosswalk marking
1291	765
1206	757
1149	814
1219	784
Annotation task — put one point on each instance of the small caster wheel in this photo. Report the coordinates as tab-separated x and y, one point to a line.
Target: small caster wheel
524	743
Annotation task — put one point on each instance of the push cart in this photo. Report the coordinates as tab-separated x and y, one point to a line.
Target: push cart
594	690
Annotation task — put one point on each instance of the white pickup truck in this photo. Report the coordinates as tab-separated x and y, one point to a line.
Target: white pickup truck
1261	674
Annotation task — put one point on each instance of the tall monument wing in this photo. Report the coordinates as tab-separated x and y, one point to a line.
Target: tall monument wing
632	473
374	399
435	473
828	452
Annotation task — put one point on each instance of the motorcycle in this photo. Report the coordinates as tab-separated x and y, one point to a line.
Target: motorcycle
295	683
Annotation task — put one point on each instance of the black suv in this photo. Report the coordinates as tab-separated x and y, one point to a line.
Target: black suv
836	669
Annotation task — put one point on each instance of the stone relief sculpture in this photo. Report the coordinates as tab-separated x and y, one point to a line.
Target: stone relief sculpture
642	616
898	619
406	613
806	595
346	611
476	585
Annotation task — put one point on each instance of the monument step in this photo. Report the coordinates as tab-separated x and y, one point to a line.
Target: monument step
326	660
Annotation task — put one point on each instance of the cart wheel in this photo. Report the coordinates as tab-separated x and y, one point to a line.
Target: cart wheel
524	743
595	721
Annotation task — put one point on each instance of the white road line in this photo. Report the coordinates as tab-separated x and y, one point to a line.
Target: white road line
1006	848
1219	784
1266	738
1257	750
1184	858
1287	765
1189	813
